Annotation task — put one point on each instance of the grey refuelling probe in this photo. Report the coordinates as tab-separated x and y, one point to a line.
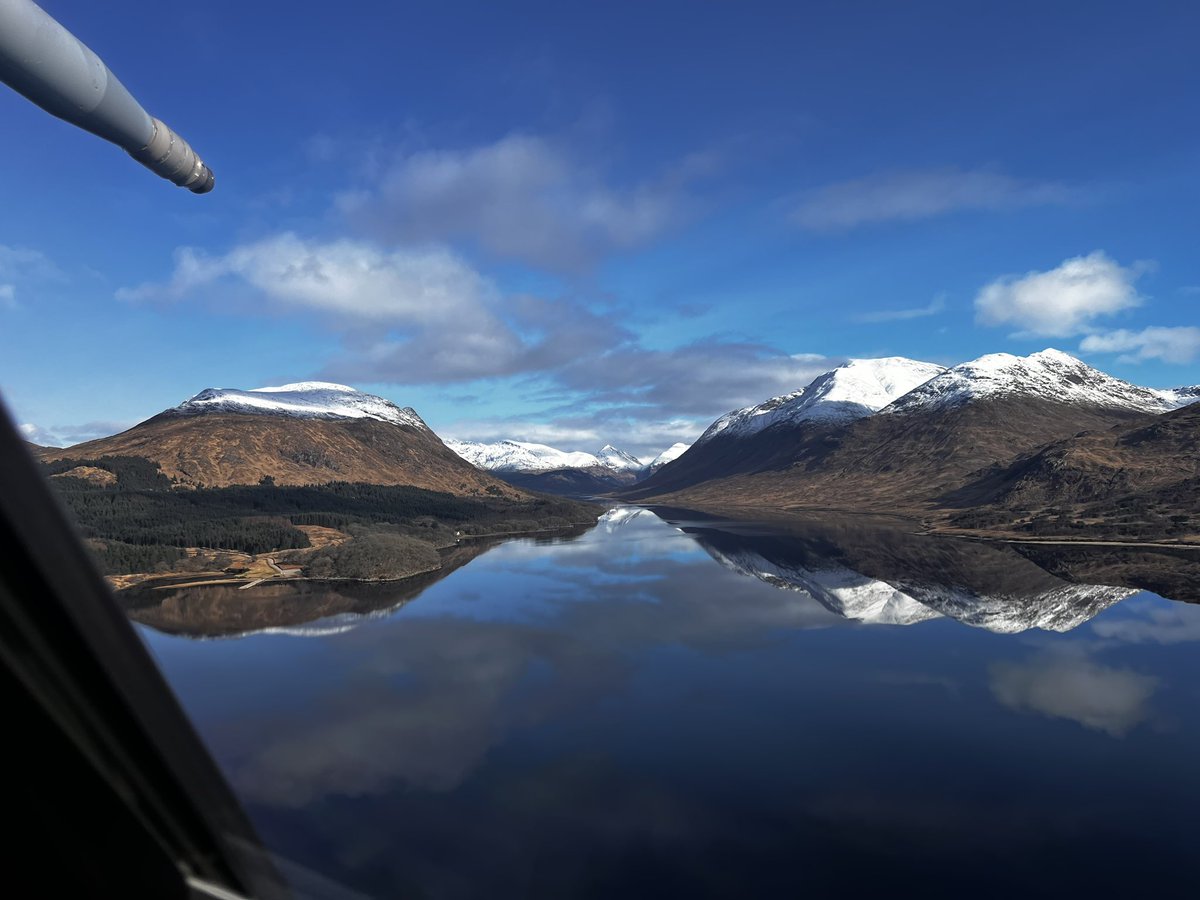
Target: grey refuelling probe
50	66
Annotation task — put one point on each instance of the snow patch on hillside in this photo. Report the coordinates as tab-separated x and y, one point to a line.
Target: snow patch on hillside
303	400
671	454
521	456
612	458
1047	375
851	391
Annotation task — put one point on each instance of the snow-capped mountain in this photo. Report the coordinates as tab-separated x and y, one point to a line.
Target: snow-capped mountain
1183	396
538	467
612	458
1046	375
305	400
521	456
671	454
851	391
308	433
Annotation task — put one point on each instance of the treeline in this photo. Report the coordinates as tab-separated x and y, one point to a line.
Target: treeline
373	556
117	558
143	510
133	473
175	519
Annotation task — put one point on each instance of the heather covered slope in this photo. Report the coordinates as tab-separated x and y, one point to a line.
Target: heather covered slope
1137	480
220	449
902	463
300	434
773	434
939	447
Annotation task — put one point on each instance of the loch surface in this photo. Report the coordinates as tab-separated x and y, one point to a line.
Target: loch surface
677	705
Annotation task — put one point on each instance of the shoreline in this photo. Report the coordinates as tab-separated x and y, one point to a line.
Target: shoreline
150	582
918	521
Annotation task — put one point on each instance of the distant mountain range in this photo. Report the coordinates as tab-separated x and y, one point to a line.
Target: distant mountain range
876	435
315	433
521	456
1042	444
539	467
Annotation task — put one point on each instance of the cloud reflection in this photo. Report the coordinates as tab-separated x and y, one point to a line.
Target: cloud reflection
422	706
421	698
1071	686
1154	625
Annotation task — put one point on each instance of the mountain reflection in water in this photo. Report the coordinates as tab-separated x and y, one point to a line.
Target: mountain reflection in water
869	571
618	715
882	573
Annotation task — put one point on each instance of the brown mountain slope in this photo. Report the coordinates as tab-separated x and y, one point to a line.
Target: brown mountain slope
771	449
579	483
904	462
222	448
1138	480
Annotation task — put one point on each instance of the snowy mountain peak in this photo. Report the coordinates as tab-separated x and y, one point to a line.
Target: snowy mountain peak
520	456
1049	375
302	400
523	456
671	454
1183	396
612	458
856	389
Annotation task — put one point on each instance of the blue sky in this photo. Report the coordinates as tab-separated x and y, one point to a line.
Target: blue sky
608	223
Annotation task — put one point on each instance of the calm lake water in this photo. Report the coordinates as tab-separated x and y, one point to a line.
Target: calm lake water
674	705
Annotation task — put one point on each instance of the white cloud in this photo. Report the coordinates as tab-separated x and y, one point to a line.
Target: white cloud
425	316
24	261
387	722
522	197
1175	345
21	266
706	378
411	315
343	277
920	194
69	435
38	435
1073	687
1063	301
643	400
935	306
641	438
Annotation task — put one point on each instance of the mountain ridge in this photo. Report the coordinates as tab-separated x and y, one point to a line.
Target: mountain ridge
298	434
1048	375
576	473
766	434
852	390
304	399
961	426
